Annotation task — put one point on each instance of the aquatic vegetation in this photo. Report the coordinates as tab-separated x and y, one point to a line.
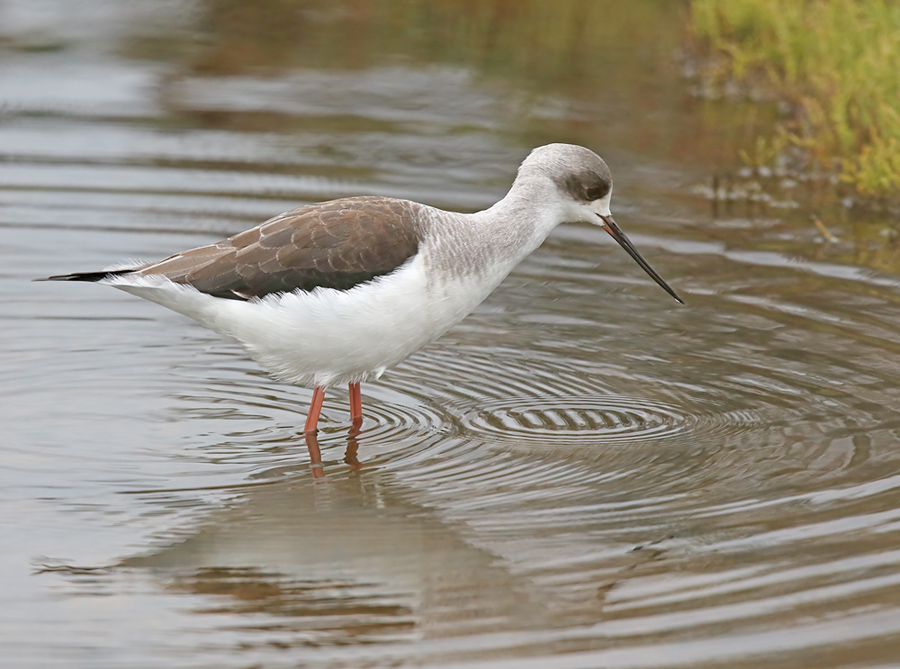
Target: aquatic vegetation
835	61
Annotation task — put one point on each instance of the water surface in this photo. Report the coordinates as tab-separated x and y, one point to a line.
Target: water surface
583	473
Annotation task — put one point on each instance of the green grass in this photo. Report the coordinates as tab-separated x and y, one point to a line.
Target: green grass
838	61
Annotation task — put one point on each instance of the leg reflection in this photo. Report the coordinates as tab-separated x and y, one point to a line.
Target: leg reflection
315	453
352	449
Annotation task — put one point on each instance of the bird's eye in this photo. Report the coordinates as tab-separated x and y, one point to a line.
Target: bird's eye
596	192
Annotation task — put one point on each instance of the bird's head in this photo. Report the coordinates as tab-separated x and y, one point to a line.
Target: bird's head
583	190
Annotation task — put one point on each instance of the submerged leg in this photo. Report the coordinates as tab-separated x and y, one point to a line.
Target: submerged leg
315	408
356	415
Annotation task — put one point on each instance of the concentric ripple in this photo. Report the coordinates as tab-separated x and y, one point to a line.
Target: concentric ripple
556	401
607	418
389	421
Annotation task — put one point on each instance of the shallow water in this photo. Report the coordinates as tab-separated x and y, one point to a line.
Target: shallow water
583	473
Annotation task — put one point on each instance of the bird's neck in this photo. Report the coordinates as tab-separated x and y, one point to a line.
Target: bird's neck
482	248
523	219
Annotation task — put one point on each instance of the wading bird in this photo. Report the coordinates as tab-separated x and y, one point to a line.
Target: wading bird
340	291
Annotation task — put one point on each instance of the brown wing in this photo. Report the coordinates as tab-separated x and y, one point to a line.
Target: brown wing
337	244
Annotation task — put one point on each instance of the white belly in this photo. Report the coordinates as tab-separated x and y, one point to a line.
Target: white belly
328	337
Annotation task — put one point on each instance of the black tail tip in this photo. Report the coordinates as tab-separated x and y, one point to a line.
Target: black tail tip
83	276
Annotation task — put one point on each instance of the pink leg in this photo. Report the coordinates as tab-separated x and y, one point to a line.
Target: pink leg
356	415
315	408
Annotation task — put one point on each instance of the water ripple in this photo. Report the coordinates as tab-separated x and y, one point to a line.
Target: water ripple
608	419
581	471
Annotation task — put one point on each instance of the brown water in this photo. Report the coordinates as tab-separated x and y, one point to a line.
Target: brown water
582	474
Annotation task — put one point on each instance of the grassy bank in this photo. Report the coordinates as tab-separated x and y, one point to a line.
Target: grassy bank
837	61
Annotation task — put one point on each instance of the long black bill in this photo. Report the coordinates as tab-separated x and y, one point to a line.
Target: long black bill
616	233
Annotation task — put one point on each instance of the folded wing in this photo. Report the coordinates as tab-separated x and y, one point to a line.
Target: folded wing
338	244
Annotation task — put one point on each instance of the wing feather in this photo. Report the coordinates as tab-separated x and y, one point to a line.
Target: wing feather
338	244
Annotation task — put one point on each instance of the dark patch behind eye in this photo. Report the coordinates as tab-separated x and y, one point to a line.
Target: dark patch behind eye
586	187
597	191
